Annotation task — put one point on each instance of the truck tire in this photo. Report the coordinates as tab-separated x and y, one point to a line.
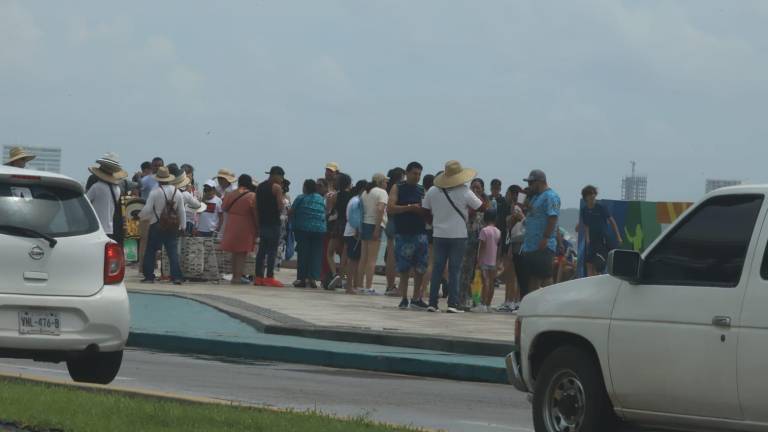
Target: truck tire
570	394
95	367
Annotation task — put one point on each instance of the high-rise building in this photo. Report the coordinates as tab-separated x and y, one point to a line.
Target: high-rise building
46	158
634	187
714	184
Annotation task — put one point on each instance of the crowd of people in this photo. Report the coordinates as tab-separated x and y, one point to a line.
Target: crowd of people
444	233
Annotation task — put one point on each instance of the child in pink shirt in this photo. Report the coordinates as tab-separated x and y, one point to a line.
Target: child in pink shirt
487	258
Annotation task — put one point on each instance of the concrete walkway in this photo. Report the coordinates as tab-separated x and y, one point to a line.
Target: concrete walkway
337	316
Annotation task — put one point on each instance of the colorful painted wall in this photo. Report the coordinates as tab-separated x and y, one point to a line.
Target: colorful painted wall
639	222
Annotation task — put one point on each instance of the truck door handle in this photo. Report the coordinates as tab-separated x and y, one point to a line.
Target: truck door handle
721	321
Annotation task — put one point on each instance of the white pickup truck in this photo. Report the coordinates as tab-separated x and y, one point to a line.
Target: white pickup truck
675	338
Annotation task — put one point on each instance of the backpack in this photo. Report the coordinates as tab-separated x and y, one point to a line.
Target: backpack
356	214
168	219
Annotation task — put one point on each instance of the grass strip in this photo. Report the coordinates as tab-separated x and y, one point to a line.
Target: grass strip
38	405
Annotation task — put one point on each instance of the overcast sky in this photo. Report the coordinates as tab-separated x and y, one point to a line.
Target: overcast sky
577	88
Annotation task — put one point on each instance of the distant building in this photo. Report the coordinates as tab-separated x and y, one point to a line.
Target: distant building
714	184
634	187
47	159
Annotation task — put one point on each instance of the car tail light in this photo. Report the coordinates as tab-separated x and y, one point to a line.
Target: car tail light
24	177
114	264
518	330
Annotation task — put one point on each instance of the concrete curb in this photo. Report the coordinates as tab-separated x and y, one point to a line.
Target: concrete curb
275	325
342	360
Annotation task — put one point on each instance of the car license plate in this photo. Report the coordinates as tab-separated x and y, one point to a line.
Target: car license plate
40	322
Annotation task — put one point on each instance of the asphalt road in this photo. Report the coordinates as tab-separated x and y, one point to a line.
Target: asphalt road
406	400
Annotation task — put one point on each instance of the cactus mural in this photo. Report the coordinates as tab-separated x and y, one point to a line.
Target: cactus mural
641	223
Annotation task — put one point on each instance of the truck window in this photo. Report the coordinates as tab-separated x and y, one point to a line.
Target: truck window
764	267
708	248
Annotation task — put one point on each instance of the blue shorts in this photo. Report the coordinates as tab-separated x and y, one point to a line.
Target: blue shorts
367	232
353	248
412	253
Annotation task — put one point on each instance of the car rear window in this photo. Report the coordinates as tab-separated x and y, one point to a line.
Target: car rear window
51	210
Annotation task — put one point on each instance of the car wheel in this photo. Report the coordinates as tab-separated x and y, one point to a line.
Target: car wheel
570	395
95	367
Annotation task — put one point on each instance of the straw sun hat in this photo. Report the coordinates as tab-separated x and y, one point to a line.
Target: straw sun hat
18	153
454	175
181	181
108	168
226	175
164	176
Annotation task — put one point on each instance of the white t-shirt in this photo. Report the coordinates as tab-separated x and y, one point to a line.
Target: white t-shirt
156	204
209	219
348	230
191	204
103	202
371	200
445	219
220	191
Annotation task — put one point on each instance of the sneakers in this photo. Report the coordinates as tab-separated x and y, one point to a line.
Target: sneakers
300	284
335	282
403	304
419	304
454	309
147	281
478	309
258	281
433	309
392	292
367	291
312	284
272	282
508	307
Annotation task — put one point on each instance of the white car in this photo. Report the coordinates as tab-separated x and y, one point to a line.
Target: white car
62	296
675	338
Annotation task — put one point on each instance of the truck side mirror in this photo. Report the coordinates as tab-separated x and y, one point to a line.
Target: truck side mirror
624	265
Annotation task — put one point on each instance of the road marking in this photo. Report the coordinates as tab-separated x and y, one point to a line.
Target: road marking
497	426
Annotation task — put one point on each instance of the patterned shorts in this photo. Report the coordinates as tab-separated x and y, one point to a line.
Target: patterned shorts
412	253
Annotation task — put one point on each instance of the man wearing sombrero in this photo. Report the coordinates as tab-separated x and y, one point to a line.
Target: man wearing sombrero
105	195
164	195
225	180
18	157
191	204
449	202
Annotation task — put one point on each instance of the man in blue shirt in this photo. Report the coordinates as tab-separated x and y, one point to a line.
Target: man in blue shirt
540	243
148	182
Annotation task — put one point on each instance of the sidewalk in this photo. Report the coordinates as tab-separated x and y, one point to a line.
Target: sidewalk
333	315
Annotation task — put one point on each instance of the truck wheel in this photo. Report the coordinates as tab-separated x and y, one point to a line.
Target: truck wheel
570	394
95	367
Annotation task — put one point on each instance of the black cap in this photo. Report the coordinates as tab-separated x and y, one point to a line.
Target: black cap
276	170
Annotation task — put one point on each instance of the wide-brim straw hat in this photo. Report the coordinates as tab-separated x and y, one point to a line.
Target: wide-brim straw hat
18	153
182	181
454	175
113	178
164	176
108	168
226	175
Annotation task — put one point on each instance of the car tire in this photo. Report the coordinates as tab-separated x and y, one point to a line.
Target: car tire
570	394
95	367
